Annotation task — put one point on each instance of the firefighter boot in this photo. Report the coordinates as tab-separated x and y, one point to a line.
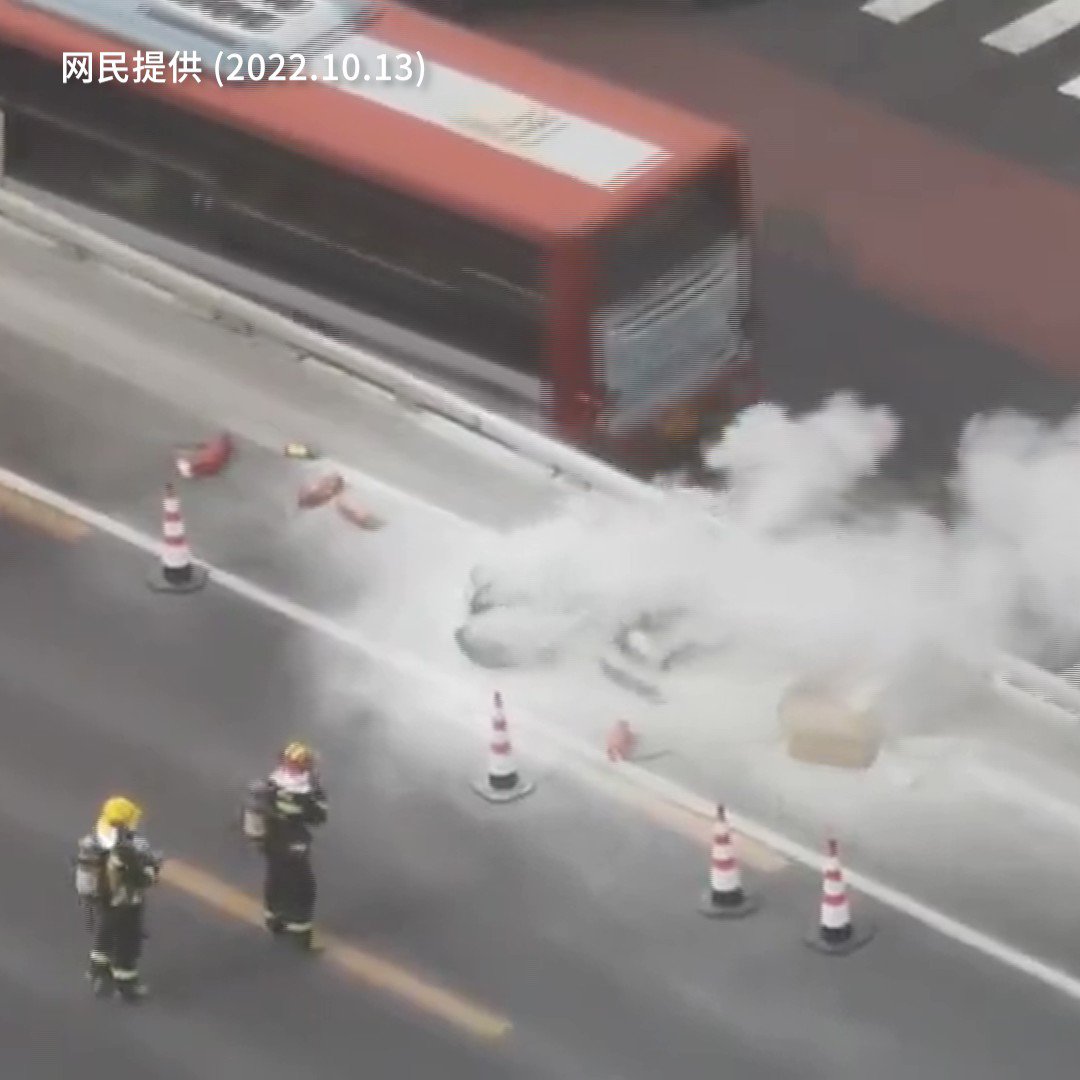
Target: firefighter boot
99	975
306	940
130	987
275	924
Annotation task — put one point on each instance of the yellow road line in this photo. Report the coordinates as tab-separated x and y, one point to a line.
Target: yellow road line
384	975
38	515
678	818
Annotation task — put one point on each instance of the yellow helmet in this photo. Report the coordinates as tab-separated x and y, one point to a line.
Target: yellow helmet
298	756
120	812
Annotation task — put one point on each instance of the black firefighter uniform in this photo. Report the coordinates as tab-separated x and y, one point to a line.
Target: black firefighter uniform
114	868
281	815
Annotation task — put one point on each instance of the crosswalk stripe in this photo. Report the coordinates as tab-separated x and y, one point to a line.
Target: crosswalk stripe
897	11
1072	87
1036	27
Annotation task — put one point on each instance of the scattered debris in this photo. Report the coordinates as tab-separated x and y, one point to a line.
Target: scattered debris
358	515
301	451
206	459
320	492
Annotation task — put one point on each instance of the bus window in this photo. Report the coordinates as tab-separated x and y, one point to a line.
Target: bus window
669	232
413	263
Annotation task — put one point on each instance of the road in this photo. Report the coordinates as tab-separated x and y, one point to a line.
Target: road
920	224
571	921
571	915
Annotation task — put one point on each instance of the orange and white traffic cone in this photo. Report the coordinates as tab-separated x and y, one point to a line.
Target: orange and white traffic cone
837	933
176	572
726	898
503	782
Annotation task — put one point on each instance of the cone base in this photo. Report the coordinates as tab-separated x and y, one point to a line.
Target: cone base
484	789
749	903
860	934
160	583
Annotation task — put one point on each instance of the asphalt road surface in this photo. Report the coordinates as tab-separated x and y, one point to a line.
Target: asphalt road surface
554	938
920	224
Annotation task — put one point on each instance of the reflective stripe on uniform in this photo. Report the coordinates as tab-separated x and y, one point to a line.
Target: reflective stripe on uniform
299	927
124	974
99	958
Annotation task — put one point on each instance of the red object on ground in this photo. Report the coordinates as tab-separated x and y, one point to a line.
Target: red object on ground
621	742
357	515
207	459
320	492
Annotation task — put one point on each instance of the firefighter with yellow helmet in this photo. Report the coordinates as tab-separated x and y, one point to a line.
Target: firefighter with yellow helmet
114	867
280	817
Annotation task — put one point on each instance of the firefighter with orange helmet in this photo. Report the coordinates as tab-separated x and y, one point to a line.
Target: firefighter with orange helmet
280	817
114	867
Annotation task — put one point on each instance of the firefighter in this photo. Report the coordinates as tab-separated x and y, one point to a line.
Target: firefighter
114	867
279	818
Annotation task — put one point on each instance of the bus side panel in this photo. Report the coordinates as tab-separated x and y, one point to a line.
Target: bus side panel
576	400
745	387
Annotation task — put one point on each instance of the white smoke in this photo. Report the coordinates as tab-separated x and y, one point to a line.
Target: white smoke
1018	480
796	561
781	469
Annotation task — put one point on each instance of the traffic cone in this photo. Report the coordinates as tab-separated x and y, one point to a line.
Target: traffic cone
726	898
503	783
837	933
176	572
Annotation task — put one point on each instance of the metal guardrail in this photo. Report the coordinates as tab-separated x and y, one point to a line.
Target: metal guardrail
1055	695
1058	694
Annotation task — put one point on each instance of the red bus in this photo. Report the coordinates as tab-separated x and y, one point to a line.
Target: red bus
590	242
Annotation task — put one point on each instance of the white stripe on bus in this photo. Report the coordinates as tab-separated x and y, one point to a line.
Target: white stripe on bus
584	150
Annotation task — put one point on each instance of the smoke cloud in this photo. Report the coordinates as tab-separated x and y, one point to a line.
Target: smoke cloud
800	559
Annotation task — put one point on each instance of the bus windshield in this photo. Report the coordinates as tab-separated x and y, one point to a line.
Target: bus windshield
674	295
669	233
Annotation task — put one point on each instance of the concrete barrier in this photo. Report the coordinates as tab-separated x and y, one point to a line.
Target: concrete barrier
1037	687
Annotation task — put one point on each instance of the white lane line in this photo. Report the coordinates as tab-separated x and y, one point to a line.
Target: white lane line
471	716
1036	27
897	11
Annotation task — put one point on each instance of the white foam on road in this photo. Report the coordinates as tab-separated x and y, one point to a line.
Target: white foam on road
462	698
1036	27
898	11
1072	87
